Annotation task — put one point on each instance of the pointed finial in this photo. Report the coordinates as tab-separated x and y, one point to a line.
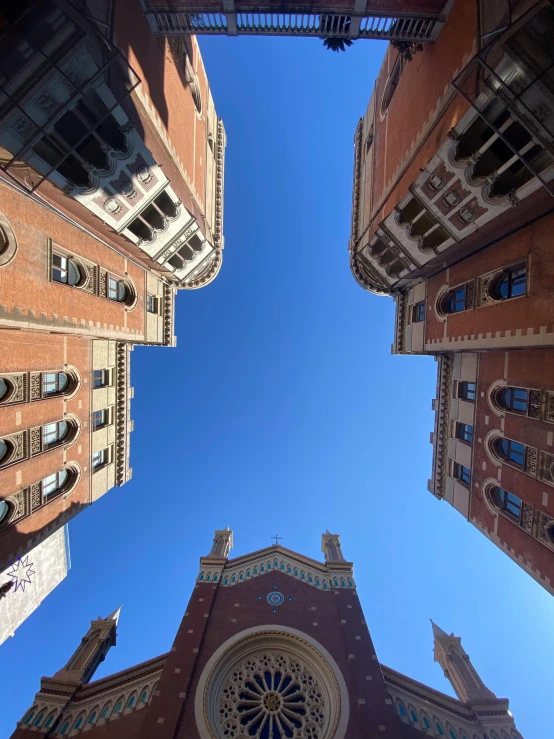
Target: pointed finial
438	633
114	616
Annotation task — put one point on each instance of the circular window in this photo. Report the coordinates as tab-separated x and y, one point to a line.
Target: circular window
272	686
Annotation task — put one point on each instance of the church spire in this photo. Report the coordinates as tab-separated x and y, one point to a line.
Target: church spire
91	651
458	668
222	543
331	548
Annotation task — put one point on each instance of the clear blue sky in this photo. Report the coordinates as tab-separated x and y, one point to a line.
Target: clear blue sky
283	411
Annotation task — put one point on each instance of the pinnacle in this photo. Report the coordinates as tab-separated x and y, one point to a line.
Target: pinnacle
438	633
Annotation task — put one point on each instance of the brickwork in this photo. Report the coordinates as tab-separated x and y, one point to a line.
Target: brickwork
220	617
31	299
524	369
24	352
519	322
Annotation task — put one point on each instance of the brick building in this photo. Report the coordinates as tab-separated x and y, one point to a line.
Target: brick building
452	216
273	644
111	200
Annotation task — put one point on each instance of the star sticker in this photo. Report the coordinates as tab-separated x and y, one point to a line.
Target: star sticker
21	573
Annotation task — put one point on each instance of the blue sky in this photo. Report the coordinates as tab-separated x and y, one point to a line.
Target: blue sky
282	411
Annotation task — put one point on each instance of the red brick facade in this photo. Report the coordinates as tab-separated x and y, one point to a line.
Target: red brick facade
274	602
111	198
452	216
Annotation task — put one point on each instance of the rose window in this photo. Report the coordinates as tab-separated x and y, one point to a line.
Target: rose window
272	696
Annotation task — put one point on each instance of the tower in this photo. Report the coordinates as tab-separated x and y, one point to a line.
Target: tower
91	651
272	645
467	683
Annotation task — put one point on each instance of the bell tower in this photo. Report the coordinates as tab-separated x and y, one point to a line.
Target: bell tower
457	667
91	651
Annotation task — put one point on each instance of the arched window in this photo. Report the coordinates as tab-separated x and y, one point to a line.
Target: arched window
49	721
55	383
118	706
67	271
6	451
54	434
131	701
506	502
452	734
117	290
29	717
143	695
413	716
439	729
510	451
92	717
454	301
401	709
6	389
64	728
512	399
392	83
511	283
105	712
78	722
58	482
426	722
39	719
5	510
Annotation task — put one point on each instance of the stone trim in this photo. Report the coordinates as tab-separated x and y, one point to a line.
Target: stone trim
442	425
356	184
401	299
219	184
8	242
168	315
332	576
123	425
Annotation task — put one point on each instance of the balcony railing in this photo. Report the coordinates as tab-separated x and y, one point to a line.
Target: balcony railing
174	22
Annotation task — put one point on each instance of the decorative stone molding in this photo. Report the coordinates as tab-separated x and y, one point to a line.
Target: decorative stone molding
356	184
168	315
8	242
336	575
301	657
18	388
401	298
219	184
122	413
442	424
367	276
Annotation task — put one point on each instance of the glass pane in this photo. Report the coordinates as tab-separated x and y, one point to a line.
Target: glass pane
4	510
63	381
63	428
3	388
121	292
50	433
50	484
74	275
49	383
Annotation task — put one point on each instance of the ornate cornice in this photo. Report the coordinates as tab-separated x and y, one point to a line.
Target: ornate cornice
442	421
367	276
219	183
329	576
356	183
168	315
122	413
401	298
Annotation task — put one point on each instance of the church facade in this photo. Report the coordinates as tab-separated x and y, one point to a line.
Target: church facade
273	645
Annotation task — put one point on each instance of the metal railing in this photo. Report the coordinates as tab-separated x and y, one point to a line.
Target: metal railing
174	22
